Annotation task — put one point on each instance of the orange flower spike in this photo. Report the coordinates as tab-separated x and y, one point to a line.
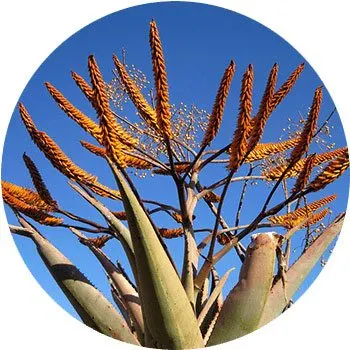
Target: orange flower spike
331	172
61	162
138	163
146	111
113	135
31	211
327	156
240	140
80	118
26	195
264	150
317	217
291	219
171	232
84	87
53	152
265	109
161	82
98	242
99	151
215	118
283	91
276	172
311	207
120	215
305	174
38	182
103	190
28	121
309	128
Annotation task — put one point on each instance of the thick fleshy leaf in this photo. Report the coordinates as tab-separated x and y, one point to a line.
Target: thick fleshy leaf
166	308
126	291
213	304
202	296
119	302
190	265
91	305
244	305
128	294
297	273
213	296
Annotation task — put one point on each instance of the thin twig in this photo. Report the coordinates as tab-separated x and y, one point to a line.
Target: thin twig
193	163
183	144
239	247
221	182
206	240
235	240
324	123
241	199
181	151
287	252
240	227
80	219
286	194
153	161
220	161
274	210
216	226
86	229
22	231
308	229
161	205
215	155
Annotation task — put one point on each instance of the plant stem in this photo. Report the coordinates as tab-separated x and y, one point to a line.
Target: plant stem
241	199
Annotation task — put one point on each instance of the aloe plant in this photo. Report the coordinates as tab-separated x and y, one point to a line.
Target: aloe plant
158	304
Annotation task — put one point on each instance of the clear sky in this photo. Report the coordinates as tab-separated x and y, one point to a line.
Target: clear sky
198	42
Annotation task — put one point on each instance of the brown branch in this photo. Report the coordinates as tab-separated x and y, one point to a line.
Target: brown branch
223	223
325	122
221	182
215	155
22	231
286	193
241	199
86	229
235	240
79	218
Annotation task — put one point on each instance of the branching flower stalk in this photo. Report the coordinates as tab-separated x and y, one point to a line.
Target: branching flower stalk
157	304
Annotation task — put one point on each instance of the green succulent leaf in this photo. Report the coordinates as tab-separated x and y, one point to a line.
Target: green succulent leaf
190	265
168	313
126	291
244	305
119	302
212	306
91	305
213	296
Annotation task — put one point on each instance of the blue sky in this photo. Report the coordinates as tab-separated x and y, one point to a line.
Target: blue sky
198	41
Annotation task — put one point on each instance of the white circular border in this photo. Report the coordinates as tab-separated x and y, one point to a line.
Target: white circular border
31	30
